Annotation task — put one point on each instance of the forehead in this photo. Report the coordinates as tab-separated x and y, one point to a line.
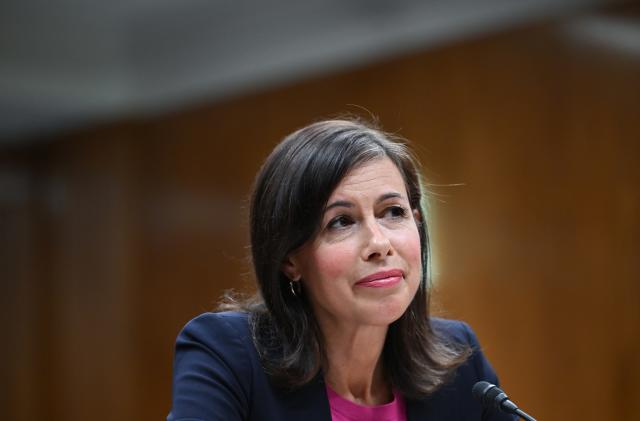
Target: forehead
374	177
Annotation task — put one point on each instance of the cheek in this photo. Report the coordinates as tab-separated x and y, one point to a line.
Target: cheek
334	262
414	252
411	250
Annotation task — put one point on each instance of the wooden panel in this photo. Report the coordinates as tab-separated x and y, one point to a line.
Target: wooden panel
128	231
17	289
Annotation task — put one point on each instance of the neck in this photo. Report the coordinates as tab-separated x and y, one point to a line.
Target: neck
355	368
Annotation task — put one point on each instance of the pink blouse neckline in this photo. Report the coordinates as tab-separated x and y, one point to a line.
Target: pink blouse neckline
345	410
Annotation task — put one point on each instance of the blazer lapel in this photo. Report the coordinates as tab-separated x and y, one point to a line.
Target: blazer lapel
420	411
309	403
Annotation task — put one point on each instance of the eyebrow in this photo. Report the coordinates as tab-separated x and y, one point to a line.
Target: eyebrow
347	204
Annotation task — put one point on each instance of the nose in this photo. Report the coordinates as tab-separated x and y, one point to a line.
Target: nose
376	243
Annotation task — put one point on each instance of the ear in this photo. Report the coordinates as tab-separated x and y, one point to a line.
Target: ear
417	216
290	268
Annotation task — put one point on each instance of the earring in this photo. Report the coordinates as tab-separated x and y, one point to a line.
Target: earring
293	289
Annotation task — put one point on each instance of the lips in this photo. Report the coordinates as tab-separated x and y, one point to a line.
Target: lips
382	279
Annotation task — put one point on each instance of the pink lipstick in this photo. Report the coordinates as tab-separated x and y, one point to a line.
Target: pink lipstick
383	279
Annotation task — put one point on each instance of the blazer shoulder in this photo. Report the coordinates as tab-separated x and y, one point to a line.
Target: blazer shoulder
214	367
217	330
224	319
455	331
461	333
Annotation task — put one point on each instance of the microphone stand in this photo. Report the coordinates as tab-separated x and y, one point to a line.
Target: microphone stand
524	415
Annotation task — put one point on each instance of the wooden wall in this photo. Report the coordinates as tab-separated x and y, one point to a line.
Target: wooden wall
114	237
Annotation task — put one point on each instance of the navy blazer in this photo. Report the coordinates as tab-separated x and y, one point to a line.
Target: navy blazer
217	376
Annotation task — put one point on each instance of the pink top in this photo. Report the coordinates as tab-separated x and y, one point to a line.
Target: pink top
345	410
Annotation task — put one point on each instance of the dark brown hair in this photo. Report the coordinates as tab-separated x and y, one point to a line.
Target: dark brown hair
291	190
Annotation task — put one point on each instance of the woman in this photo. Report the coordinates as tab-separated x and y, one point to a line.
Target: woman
340	329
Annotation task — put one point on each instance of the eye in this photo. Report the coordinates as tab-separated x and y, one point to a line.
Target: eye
395	212
341	221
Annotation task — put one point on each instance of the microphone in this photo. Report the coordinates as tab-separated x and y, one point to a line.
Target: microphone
491	396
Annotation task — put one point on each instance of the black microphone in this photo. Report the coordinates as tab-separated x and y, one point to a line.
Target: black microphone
493	397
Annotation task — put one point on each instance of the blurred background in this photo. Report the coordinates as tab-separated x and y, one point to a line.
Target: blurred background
131	133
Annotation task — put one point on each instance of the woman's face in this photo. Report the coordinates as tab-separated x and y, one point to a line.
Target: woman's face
364	265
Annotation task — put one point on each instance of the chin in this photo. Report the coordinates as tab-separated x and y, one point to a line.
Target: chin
387	312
